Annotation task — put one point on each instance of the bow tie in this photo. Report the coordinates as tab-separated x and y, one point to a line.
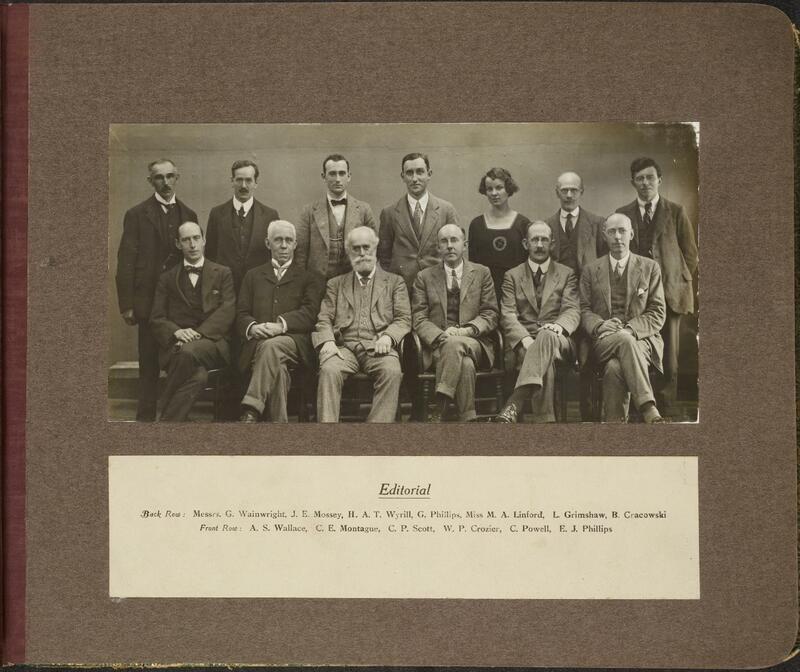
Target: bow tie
341	201
193	269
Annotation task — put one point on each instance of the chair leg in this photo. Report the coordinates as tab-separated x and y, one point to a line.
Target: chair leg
425	400
499	393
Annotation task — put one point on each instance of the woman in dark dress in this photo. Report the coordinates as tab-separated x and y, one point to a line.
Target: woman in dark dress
495	237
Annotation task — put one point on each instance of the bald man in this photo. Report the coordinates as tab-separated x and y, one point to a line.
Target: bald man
454	309
623	311
193	311
539	316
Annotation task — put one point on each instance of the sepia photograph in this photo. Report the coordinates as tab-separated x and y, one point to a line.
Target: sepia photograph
508	273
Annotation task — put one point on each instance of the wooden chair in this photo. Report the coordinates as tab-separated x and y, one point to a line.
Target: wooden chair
489	384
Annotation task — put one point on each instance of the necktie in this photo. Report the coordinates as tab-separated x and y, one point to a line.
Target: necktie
454	286
168	207
648	214
363	279
193	269
618	271
569	227
341	201
279	271
417	219
537	279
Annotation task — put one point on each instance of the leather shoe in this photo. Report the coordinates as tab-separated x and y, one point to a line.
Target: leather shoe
435	415
249	415
508	413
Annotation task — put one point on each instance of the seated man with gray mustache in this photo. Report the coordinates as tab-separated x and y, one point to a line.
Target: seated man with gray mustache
363	317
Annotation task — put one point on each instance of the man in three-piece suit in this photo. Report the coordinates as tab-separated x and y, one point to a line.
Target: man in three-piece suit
146	250
540	314
236	229
193	309
324	224
663	232
408	228
622	309
277	307
454	309
363	317
577	241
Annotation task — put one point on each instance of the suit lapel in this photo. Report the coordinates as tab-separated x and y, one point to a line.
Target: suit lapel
584	231
634	271
603	281
209	273
659	219
321	220
178	269
401	214
527	286
556	247
378	288
466	280
227	224
153	212
440	282
351	216
430	222
258	222
347	287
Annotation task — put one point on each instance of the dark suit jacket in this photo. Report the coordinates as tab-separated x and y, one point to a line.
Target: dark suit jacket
312	231
478	306
645	313
674	249
399	249
295	298
222	247
522	315
144	255
171	309
590	238
390	311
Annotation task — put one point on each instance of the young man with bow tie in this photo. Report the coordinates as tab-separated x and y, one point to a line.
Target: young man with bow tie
622	311
325	224
276	311
146	250
193	309
663	232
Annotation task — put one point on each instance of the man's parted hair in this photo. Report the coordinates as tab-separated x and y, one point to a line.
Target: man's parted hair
274	222
244	163
188	221
499	174
644	162
415	155
334	157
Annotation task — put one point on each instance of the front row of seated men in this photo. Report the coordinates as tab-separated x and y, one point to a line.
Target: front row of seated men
365	314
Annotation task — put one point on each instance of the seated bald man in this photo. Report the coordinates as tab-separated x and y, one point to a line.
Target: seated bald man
454	309
539	316
193	310
276	312
623	311
363	317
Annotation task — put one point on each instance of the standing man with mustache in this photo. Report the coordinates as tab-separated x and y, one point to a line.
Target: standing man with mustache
408	229
663	232
237	229
325	224
364	316
146	250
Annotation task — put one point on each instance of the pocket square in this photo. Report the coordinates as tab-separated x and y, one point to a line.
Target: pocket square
215	291
640	291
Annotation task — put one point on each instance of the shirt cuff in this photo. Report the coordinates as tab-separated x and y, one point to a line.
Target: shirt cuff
283	322
247	331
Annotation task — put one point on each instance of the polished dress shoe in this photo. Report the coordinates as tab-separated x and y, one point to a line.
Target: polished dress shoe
508	413
249	415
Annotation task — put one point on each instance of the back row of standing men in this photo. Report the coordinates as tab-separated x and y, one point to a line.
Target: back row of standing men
408	240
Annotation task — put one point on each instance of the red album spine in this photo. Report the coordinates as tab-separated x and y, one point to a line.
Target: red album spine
14	233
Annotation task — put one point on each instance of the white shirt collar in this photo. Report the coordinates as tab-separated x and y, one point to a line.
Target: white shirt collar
458	269
654	203
370	276
246	205
276	265
331	197
622	262
196	264
535	267
162	201
574	213
423	202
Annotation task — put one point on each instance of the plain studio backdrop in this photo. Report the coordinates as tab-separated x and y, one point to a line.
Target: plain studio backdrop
289	157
